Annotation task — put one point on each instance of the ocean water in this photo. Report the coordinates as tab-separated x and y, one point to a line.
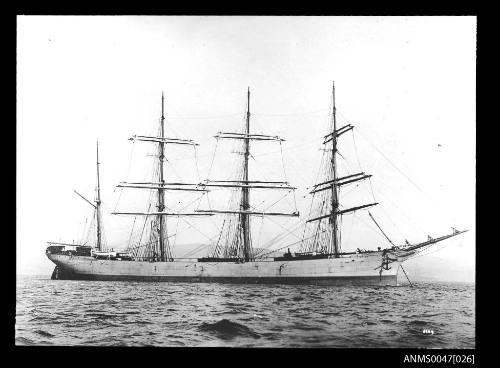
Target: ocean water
95	313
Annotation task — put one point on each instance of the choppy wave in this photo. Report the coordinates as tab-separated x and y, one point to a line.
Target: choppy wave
228	329
44	333
429	315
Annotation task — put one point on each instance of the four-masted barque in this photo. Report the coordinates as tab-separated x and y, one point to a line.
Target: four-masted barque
319	260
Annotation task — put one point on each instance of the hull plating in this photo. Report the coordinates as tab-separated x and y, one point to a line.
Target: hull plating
359	269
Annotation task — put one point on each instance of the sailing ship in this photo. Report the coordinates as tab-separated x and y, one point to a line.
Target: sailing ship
232	257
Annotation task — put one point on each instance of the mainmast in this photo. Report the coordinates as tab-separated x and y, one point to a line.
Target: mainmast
98	203
161	191
243	238
335	203
245	200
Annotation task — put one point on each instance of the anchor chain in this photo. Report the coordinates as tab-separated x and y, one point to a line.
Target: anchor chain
386	261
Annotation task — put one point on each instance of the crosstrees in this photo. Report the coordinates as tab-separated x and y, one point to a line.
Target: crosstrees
342	178
339	182
254	186
293	214
241	246
332	185
85	199
173	214
162	139
341	212
248	136
157	183
247	181
338	133
160	239
160	187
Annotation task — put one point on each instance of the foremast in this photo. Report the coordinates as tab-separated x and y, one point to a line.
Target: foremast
333	184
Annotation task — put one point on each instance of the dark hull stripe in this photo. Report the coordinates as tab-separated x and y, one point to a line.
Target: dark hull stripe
324	280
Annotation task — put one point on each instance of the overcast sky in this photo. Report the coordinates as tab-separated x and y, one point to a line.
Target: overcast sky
406	83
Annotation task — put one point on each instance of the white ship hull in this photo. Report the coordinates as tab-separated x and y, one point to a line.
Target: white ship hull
364	267
356	269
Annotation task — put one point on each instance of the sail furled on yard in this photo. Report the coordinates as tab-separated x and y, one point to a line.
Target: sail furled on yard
154	240
235	239
322	232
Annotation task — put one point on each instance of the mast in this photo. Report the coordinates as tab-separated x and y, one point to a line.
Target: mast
245	200
335	203
242	238
98	203
158	247
332	183
161	191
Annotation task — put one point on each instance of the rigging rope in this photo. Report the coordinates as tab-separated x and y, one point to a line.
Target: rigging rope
392	222
131	232
145	222
397	169
307	143
279	237
288	245
356	150
196	163
394	165
175	236
280	225
213	157
291	114
285	176
422	253
82	238
279	200
403	213
203	117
